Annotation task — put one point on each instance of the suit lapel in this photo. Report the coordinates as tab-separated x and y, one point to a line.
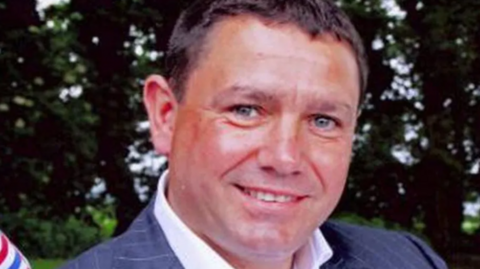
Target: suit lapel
343	255
144	246
344	263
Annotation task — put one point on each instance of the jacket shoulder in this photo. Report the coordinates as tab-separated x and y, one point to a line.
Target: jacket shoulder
143	245
98	257
379	248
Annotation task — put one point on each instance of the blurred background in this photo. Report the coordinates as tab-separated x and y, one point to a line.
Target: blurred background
76	165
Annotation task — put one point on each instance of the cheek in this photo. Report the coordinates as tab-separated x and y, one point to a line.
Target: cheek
211	145
331	163
227	146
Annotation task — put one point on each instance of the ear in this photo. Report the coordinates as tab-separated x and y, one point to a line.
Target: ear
161	106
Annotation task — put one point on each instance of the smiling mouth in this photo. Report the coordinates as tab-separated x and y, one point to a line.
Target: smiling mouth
269	197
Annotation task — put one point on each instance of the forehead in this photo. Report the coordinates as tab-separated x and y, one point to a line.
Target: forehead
250	30
249	49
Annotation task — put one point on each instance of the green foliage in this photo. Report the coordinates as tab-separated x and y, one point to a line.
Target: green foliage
471	225
374	222
47	238
418	137
46	264
104	219
47	146
381	223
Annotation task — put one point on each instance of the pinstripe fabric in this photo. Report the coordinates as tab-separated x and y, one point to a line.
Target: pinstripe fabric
144	246
361	247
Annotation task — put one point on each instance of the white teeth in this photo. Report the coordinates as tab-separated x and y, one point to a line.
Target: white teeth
269	197
266	197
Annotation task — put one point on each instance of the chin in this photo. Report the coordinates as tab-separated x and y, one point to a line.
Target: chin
270	242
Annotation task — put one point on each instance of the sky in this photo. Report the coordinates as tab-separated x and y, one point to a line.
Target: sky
42	4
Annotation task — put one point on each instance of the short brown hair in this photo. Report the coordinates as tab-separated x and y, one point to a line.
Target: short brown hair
315	17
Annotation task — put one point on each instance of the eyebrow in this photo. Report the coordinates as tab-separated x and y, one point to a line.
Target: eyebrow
249	92
329	106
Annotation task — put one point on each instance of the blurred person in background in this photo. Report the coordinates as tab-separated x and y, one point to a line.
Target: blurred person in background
10	256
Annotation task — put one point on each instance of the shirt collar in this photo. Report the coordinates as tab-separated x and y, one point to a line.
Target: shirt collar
195	253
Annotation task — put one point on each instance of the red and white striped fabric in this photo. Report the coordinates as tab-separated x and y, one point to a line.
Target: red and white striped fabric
10	256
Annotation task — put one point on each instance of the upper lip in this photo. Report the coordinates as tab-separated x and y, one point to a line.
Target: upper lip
272	191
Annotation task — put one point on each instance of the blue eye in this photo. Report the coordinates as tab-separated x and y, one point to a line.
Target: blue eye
246	111
323	122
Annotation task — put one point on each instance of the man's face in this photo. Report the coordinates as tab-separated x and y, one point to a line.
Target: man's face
262	141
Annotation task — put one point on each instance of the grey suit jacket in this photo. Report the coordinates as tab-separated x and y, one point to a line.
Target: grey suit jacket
144	246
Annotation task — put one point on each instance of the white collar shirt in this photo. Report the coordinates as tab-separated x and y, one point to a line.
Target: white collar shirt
194	253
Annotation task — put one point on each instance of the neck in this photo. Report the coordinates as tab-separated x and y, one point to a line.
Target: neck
254	262
260	263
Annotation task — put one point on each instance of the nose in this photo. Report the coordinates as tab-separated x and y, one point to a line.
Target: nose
280	152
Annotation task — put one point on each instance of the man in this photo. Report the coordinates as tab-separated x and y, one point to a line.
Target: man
256	117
